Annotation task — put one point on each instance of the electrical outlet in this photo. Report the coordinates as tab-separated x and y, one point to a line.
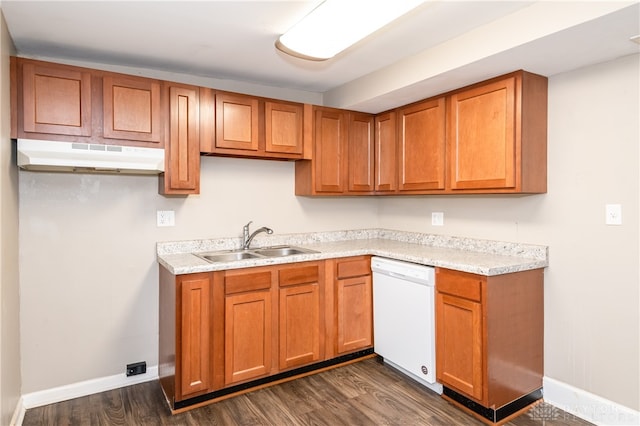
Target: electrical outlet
613	214
136	368
166	218
437	218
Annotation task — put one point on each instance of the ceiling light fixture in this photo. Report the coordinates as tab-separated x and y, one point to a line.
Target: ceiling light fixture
337	24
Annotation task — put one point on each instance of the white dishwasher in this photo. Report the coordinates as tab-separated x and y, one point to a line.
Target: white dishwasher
404	318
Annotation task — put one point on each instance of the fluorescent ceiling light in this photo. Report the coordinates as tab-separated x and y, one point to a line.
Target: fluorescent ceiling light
337	24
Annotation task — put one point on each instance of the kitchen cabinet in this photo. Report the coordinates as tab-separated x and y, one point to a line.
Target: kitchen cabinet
386	138
182	147
353	304
301	317
131	108
50	99
249	324
343	154
239	125
66	103
185	329
421	146
489	339
497	135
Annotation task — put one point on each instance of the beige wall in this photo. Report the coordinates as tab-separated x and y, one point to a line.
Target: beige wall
591	286
89	278
9	283
88	272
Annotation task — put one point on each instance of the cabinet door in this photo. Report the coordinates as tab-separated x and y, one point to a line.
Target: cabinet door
283	128
482	137
386	165
248	328
182	174
236	122
194	329
421	146
355	316
459	344
56	99
360	153
330	138
299	325
131	108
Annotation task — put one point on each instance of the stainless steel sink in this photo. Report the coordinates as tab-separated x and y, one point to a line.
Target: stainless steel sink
281	251
257	253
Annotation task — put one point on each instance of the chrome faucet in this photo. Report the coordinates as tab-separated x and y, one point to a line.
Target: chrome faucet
246	238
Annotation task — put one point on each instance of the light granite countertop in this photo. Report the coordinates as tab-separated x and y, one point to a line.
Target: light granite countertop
484	257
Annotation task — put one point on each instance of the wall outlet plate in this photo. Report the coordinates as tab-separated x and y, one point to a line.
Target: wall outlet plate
613	214
437	218
166	218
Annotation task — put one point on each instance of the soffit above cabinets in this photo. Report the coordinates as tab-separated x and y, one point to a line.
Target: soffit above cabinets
439	46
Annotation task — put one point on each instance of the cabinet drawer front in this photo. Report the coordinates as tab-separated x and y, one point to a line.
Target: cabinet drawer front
460	284
298	275
354	268
247	282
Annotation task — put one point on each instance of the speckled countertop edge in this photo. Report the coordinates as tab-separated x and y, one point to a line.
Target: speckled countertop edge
484	257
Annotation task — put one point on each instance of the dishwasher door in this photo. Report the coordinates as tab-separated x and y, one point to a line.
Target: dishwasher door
404	324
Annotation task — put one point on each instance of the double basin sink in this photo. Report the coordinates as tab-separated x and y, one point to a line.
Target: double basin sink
257	253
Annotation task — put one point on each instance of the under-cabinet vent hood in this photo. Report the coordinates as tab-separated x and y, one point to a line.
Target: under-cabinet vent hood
54	156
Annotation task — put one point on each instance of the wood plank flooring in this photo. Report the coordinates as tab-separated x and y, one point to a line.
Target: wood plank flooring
363	393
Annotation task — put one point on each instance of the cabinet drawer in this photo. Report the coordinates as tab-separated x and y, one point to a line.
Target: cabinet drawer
247	281
298	275
354	268
461	284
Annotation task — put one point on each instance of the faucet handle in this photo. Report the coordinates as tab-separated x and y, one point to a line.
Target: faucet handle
247	225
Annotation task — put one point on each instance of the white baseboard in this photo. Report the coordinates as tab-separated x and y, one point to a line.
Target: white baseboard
18	414
587	406
89	387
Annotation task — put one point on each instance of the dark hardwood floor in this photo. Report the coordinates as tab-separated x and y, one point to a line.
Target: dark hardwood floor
363	393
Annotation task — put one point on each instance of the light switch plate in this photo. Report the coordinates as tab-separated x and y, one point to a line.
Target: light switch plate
437	218
613	214
166	218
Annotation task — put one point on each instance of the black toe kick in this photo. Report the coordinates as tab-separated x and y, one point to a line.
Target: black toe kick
494	415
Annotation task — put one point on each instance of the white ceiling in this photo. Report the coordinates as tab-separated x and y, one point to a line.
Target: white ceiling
439	46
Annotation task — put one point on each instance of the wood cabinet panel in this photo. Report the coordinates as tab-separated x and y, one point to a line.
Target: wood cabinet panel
236	122
460	344
131	108
283	127
56	99
182	153
360	153
299	325
421	146
248	338
195	323
355	315
330	140
482	140
386	164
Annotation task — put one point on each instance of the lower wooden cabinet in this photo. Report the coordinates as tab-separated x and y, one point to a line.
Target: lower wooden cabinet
353	304
489	335
227	328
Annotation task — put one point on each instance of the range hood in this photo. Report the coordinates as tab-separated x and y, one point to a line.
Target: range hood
54	156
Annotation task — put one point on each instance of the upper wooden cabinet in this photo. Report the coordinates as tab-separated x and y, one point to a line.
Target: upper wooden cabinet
50	99
343	154
246	126
73	104
182	147
386	155
497	133
131	108
421	144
